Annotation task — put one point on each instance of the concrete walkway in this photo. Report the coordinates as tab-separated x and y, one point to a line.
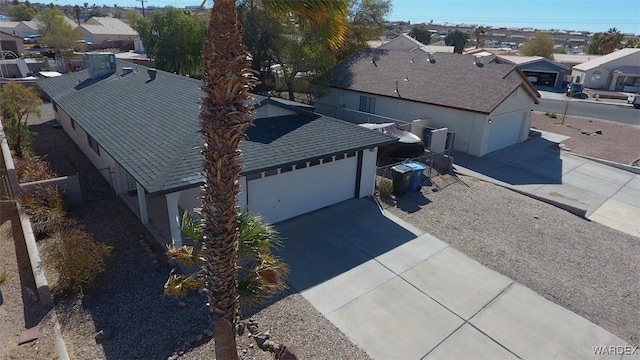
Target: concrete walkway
400	293
538	168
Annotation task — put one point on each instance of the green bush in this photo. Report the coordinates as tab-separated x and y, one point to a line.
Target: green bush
77	258
33	169
553	115
45	208
385	188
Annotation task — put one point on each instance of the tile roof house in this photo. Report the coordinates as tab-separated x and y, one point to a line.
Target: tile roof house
142	131
487	105
542	72
617	71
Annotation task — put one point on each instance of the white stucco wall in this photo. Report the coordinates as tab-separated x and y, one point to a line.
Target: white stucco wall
368	175
269	110
463	123
105	164
472	129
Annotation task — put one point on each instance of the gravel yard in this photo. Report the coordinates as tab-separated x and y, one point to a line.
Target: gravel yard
129	302
583	266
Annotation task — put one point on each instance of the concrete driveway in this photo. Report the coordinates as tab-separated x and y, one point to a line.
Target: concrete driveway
400	293
539	168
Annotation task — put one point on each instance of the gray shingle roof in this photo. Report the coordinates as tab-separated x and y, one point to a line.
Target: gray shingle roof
151	128
452	81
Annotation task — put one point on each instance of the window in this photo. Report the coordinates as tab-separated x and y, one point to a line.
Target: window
596	76
367	104
93	144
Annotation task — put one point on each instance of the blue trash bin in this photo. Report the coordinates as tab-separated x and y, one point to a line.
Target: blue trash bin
416	178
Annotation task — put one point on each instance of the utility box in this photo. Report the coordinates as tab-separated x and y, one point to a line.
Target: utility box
401	175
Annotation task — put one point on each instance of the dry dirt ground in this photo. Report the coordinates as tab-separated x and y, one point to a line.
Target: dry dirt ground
20	309
618	142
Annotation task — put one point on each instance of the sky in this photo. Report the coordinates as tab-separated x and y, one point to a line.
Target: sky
589	15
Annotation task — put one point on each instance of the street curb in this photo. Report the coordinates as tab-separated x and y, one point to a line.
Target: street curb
617	165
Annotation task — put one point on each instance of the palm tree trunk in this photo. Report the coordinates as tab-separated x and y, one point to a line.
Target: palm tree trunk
225	116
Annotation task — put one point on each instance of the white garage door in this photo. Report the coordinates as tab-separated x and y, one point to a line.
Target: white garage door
283	196
504	132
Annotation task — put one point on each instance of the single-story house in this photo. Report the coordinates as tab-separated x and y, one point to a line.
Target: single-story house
98	30
407	43
9	27
617	71
571	60
140	128
542	72
32	27
487	105
10	42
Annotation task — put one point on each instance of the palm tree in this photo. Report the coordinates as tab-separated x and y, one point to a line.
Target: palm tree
610	41
478	32
225	115
261	274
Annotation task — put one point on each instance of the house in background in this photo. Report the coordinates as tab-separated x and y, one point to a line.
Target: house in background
487	105
571	60
13	43
99	30
541	72
32	27
617	71
8	27
140	128
406	43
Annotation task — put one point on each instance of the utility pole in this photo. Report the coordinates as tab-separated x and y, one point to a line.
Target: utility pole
142	1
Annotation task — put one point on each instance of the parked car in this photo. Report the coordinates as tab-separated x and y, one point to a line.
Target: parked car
575	89
636	101
630	98
32	39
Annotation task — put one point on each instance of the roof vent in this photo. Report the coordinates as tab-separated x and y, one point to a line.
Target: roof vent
152	74
432	57
478	61
126	70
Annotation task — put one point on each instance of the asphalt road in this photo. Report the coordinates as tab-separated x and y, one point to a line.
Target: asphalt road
622	113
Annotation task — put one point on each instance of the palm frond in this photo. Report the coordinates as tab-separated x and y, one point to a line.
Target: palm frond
186	255
255	235
179	285
329	17
193	229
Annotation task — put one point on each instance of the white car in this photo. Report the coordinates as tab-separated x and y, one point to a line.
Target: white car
630	99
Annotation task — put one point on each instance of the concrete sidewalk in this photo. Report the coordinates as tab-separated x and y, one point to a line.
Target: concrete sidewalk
399	293
539	168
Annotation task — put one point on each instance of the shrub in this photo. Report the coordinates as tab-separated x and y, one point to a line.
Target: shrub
45	208
553	115
33	169
385	188
547	113
3	277
77	258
